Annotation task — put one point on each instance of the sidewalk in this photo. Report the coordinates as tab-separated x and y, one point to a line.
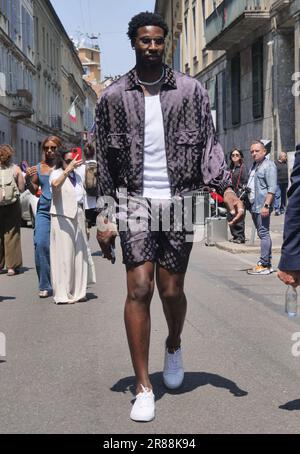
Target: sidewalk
276	230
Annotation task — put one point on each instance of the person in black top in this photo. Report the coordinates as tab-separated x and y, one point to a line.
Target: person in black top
239	175
282	184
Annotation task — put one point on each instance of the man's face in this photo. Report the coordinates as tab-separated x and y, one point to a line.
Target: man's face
149	45
258	152
283	157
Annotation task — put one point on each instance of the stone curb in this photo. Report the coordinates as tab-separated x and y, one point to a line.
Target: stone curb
243	249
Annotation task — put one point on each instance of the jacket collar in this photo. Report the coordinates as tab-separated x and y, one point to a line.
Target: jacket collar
131	81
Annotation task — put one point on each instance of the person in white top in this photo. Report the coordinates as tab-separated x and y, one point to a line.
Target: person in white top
69	256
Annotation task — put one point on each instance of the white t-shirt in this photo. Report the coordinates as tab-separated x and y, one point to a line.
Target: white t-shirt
155	176
251	185
78	188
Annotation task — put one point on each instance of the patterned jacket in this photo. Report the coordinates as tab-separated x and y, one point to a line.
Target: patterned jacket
194	156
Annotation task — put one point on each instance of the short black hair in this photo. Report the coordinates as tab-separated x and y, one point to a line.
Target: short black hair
144	19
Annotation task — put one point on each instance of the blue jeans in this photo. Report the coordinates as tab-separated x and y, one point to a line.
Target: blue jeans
42	244
263	230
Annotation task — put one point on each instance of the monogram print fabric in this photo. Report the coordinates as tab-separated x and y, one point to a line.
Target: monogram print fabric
194	156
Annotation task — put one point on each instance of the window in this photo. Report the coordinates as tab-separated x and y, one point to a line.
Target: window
37	35
31	153
194	30
236	90
24	40
212	90
3	8
257	80
22	150
203	14
15	18
27	151
47	48
186	31
51	56
177	55
2	137
44	43
86	70
10	73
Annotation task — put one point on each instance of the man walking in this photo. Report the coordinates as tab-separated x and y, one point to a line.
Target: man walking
282	184
262	185
155	138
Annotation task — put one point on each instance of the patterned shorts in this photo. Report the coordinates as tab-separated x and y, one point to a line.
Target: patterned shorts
152	234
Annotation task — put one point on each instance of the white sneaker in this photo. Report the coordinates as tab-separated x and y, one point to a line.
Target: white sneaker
173	373
143	408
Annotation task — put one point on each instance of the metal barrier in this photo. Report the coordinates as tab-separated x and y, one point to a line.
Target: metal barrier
201	206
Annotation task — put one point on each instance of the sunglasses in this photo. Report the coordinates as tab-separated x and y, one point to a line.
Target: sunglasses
157	41
236	154
50	148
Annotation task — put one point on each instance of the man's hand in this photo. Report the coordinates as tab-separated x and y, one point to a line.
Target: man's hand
106	236
234	206
289	277
265	212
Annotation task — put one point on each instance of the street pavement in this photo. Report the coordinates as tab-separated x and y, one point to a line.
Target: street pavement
67	368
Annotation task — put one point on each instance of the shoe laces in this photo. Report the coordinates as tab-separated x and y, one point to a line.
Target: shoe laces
144	396
174	360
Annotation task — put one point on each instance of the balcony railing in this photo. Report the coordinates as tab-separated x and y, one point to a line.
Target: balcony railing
21	104
56	122
234	20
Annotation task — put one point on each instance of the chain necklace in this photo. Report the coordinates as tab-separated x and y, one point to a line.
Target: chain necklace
149	84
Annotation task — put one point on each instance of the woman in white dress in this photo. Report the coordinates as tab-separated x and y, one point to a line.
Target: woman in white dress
69	255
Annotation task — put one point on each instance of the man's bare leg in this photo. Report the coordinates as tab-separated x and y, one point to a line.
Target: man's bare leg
140	287
170	287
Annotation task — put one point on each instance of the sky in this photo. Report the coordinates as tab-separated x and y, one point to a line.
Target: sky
110	20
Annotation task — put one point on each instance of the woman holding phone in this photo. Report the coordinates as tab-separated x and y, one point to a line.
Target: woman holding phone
69	255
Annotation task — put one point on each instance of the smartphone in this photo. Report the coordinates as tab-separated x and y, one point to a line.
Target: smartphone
77	152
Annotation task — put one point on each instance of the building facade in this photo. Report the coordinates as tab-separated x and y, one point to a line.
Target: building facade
89	55
40	76
17	68
246	53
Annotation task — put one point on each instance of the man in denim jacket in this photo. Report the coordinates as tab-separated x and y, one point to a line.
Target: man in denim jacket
262	184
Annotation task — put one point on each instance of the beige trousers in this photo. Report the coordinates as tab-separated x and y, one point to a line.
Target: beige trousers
10	237
69	258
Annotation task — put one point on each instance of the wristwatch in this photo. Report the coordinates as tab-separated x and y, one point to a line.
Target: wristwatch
267	205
